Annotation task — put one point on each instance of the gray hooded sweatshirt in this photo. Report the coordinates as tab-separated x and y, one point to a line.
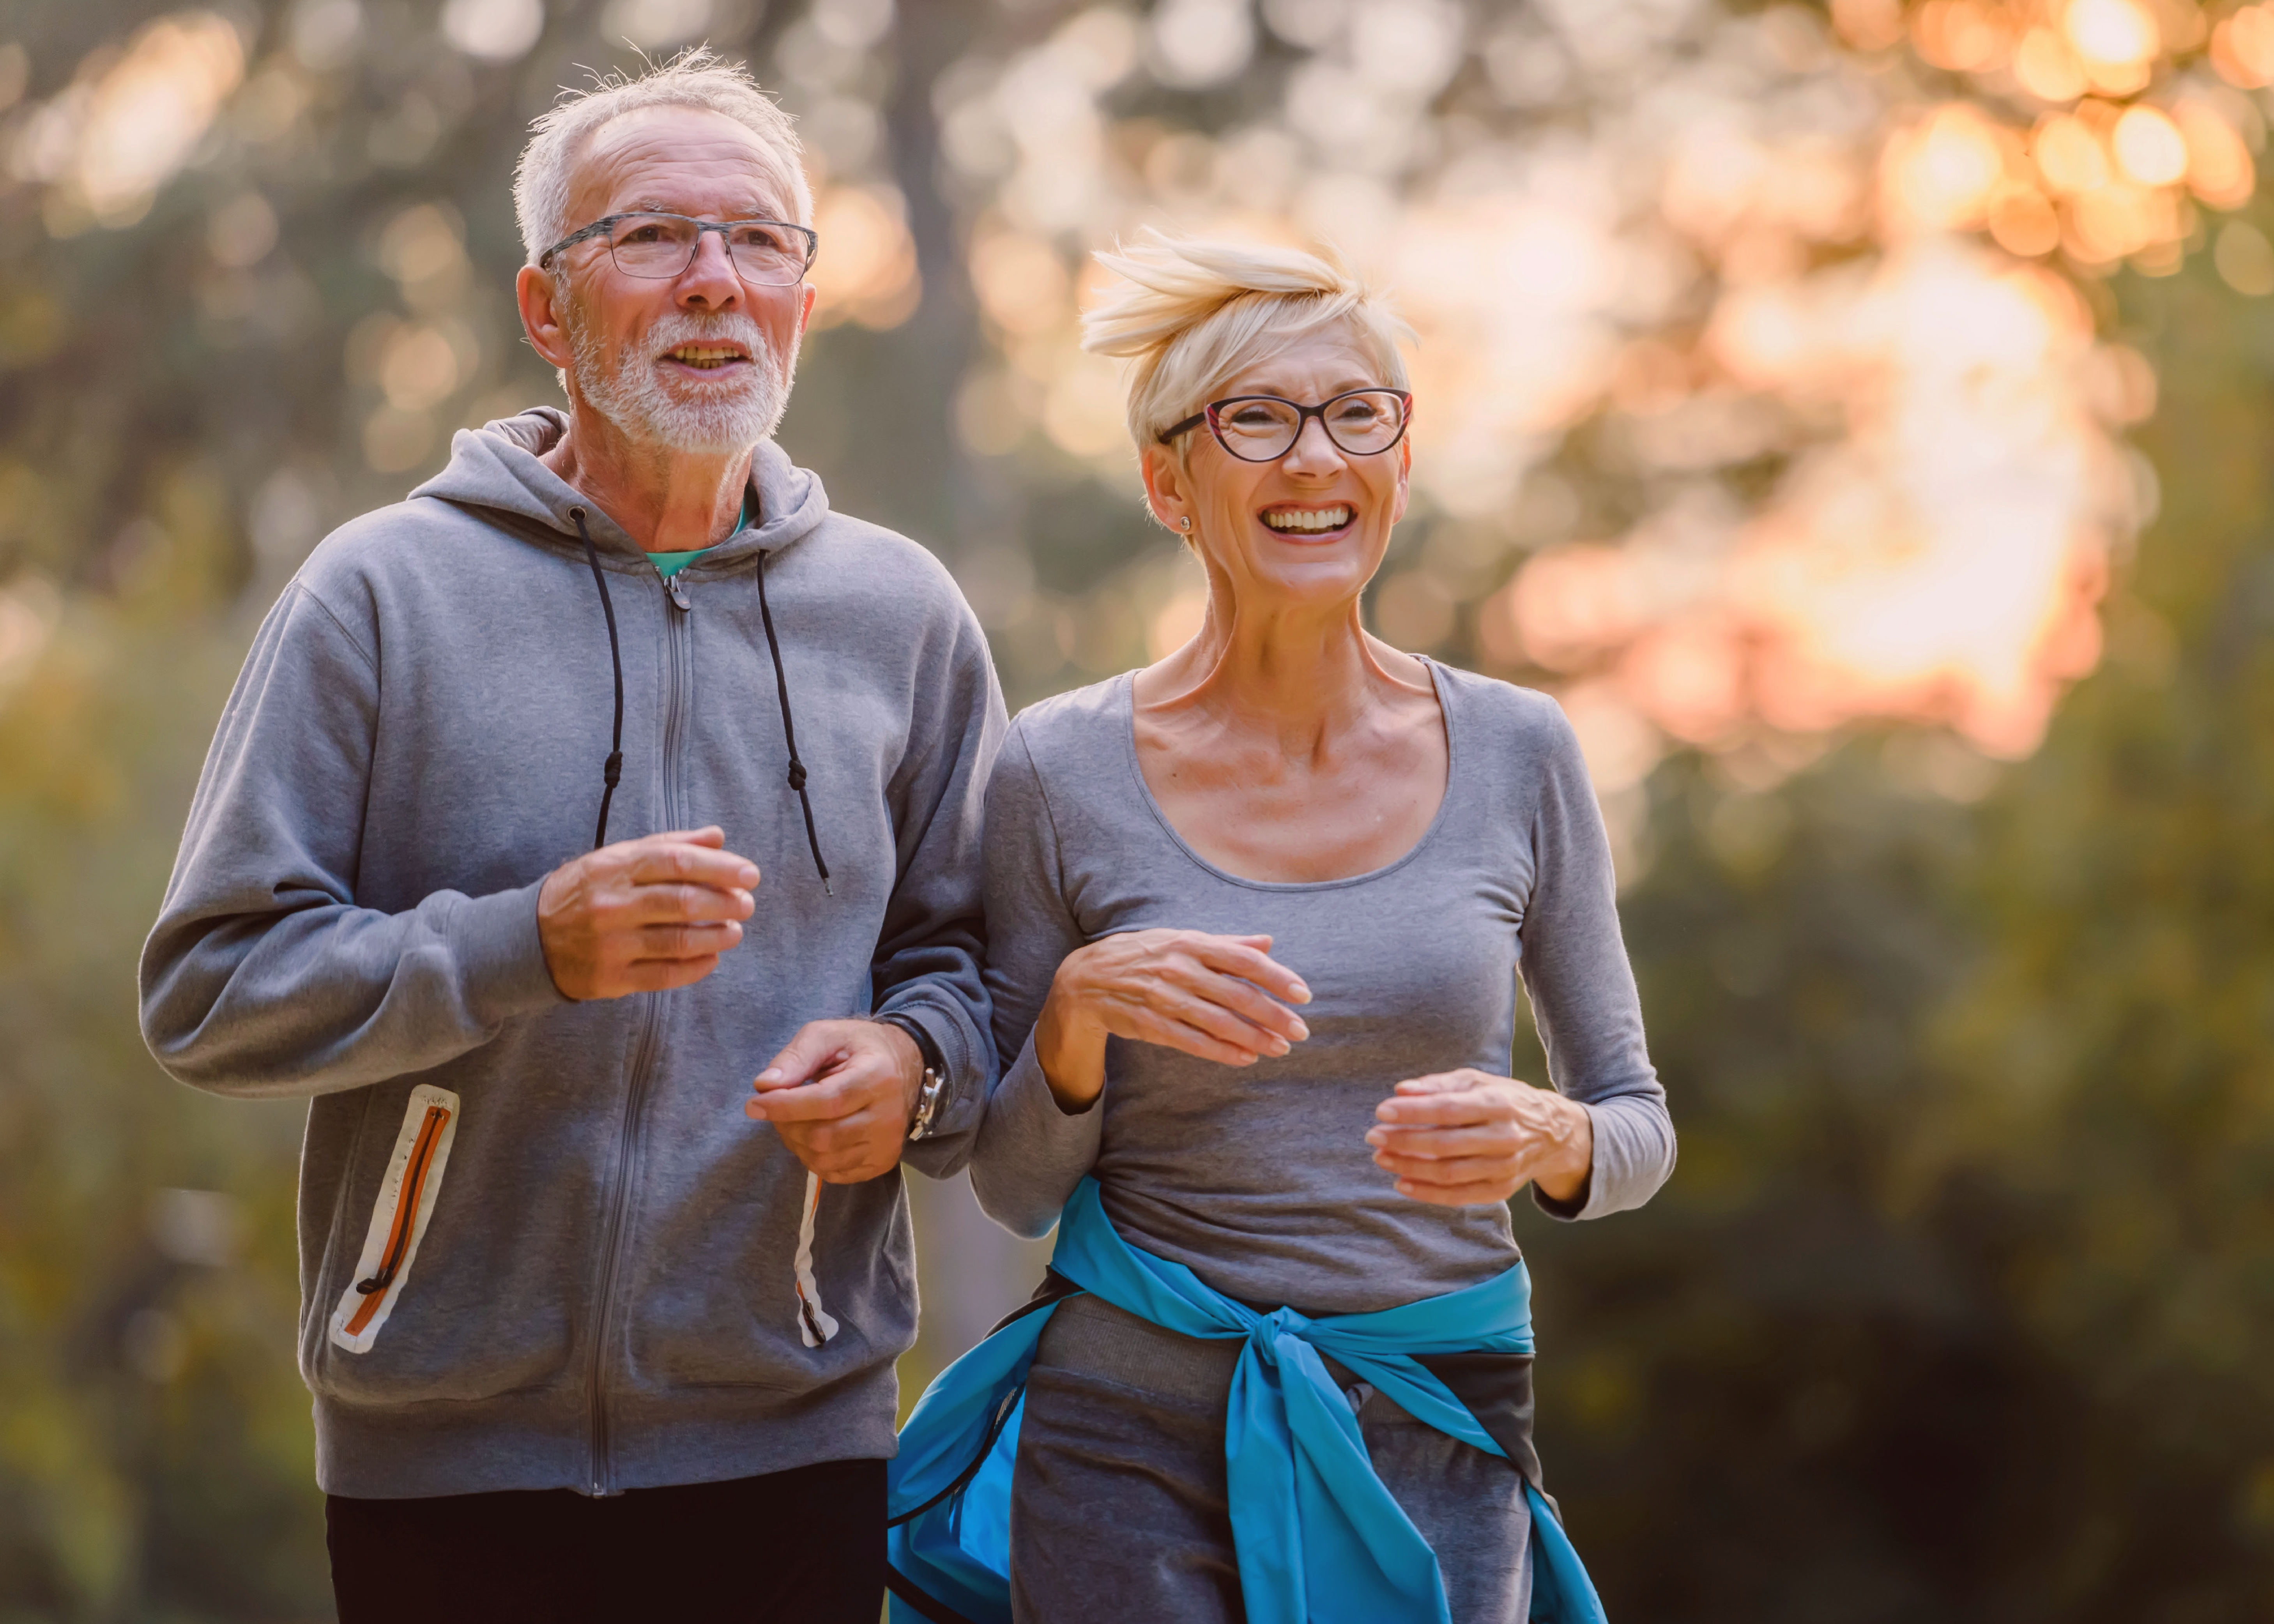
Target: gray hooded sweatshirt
581	1266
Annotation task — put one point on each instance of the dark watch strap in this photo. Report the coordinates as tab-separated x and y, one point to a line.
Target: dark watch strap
933	1060
934	1084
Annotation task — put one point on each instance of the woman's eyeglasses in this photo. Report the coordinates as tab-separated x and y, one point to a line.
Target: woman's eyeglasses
771	253
1263	428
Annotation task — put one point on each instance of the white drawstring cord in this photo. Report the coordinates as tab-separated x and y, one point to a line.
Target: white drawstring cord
814	1323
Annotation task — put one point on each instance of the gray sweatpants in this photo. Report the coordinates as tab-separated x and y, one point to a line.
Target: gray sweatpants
1118	1509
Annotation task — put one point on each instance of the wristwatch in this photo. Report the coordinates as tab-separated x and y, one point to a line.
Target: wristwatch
933	1088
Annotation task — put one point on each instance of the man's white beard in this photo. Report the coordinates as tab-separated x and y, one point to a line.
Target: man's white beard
687	413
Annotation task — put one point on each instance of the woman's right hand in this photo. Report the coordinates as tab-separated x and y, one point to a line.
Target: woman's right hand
1216	997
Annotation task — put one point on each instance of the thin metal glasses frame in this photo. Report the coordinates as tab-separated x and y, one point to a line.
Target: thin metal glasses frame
607	222
1209	415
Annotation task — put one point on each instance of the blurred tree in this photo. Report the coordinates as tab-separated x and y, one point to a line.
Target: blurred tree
2111	1061
1950	1309
154	1438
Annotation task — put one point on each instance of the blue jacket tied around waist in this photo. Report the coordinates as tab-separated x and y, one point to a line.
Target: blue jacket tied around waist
1319	1539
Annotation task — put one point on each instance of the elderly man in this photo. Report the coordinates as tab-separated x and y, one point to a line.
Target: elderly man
585	1342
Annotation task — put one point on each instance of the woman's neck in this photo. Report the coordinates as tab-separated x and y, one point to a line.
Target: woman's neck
1302	675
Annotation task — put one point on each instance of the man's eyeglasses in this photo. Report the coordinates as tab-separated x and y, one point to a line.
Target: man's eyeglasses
1263	428
767	253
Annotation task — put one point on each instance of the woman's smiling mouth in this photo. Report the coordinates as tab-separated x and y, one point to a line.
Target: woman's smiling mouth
1322	523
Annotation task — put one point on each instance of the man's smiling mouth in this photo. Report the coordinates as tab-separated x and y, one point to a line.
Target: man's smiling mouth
706	357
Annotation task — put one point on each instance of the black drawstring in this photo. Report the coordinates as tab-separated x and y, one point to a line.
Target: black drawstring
614	769
789	730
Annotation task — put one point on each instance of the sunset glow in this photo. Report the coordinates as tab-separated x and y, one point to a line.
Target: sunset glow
1764	403
1770	262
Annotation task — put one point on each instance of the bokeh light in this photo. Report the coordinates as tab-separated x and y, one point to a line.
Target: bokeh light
1831	330
1816	312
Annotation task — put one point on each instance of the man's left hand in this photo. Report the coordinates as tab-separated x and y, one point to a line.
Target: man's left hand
840	1096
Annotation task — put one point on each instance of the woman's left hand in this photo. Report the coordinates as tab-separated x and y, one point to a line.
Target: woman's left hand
1468	1138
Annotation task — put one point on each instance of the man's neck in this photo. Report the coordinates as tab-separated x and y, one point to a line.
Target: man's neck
666	500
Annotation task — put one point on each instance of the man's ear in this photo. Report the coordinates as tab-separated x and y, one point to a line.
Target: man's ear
536	292
805	309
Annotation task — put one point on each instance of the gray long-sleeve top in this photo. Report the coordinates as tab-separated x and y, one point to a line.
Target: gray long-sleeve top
1259	1178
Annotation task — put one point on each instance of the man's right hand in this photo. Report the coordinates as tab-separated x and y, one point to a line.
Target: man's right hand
642	915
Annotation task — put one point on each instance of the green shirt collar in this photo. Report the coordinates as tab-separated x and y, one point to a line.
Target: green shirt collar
669	564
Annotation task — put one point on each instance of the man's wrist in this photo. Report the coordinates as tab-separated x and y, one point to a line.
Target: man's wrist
548	928
923	1087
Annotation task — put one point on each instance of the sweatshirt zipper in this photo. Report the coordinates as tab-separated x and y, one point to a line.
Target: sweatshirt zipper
407	1199
678	645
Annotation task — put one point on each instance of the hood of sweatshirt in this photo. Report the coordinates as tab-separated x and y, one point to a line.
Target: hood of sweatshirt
497	466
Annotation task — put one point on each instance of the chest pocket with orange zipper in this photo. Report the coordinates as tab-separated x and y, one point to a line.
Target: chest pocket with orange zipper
399	1218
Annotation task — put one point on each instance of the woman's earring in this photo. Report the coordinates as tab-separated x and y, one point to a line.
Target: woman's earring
1185	522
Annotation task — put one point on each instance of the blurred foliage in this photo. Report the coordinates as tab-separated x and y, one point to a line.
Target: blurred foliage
1948	1313
153	1435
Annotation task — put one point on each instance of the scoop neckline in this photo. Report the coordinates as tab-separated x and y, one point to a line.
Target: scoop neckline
1128	698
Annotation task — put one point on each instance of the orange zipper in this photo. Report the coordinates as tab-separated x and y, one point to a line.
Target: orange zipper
406	1218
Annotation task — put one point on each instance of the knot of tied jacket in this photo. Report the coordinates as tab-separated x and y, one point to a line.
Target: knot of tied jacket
1280	1326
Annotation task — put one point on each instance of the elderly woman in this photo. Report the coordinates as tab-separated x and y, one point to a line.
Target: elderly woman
1256	915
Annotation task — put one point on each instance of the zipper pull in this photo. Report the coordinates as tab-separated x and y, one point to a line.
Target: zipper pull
679	596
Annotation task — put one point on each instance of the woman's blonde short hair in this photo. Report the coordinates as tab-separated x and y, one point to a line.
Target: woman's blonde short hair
1197	314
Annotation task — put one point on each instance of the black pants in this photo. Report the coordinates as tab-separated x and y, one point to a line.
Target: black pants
805	1545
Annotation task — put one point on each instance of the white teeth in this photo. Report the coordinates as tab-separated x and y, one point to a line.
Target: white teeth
698	355
1313	520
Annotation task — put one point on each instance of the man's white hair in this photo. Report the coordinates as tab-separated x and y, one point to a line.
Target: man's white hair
1197	314
697	78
